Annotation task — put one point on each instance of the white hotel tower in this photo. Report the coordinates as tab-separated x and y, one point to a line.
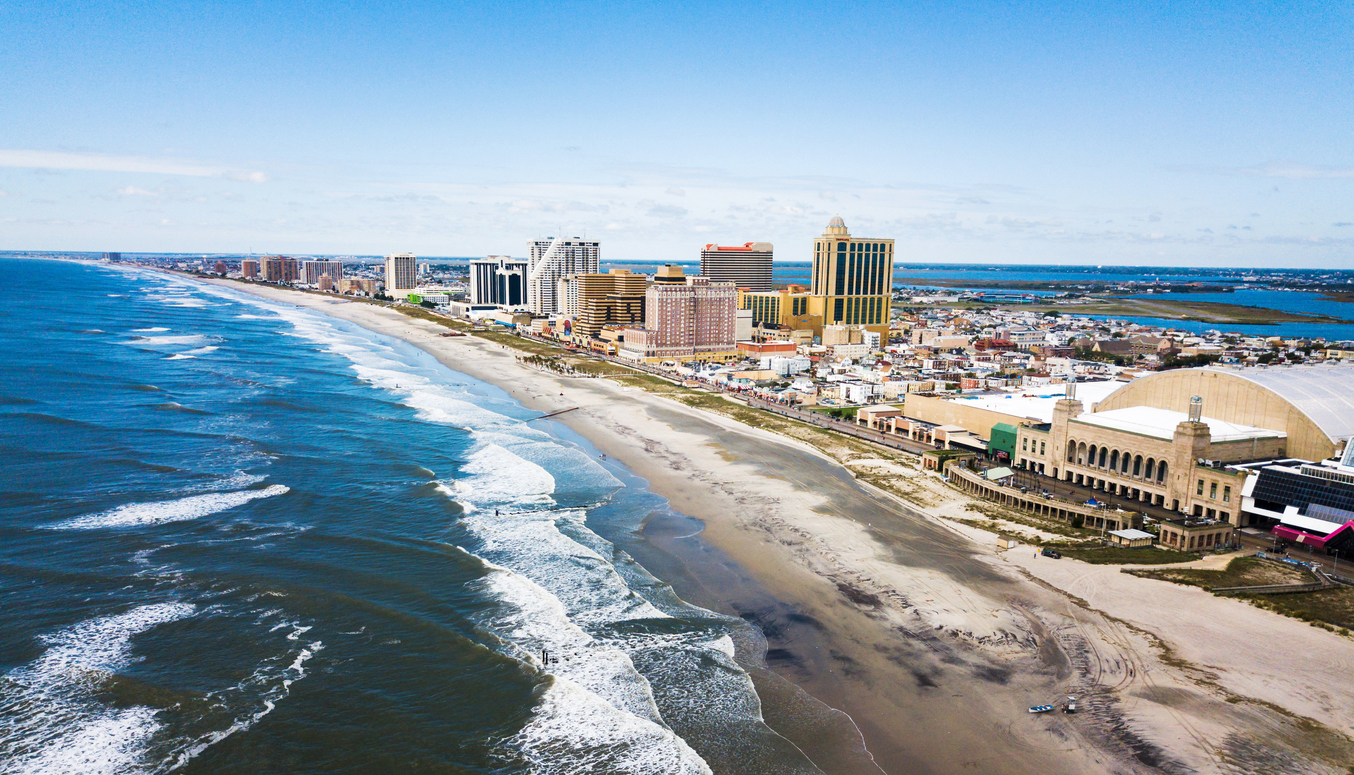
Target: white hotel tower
401	274
550	260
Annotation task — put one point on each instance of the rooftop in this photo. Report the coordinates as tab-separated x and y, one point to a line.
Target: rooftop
1322	392
1161	423
1131	534
1038	403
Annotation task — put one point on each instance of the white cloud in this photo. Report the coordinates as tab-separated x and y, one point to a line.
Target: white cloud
98	162
134	191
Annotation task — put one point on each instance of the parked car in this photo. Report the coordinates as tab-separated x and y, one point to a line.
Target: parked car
1052	553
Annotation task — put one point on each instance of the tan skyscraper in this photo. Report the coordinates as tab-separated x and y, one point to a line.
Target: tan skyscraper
852	279
613	299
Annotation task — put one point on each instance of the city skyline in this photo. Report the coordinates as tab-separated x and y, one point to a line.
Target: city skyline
1168	136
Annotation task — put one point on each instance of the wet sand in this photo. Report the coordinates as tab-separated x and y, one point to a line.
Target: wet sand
912	626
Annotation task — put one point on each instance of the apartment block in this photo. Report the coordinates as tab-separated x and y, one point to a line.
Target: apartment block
746	266
500	280
550	261
693	320
312	271
614	299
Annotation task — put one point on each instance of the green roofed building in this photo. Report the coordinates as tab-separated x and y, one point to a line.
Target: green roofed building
1003	440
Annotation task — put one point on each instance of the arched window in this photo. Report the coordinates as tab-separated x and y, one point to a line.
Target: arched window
1090	455
1127	459
1101	462
1114	460
1137	466
1071	451
1161	472
1151	469
1081	453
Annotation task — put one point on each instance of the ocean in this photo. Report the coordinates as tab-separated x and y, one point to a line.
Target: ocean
238	536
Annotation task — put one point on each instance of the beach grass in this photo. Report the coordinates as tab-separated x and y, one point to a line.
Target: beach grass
1240	572
1118	555
1331	609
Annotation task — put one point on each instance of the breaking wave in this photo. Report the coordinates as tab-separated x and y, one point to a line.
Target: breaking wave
160	512
53	722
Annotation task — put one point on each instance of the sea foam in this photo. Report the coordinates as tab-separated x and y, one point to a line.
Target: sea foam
159	512
50	719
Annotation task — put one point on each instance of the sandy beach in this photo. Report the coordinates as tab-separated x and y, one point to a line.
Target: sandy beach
928	637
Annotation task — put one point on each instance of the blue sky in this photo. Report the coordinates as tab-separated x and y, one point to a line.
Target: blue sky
1214	134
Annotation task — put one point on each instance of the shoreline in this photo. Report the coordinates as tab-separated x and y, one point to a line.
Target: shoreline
909	623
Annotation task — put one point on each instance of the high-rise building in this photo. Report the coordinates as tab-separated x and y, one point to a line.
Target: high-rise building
613	299
696	319
498	280
249	268
550	260
313	270
401	274
852	279
787	308
669	274
280	269
747	266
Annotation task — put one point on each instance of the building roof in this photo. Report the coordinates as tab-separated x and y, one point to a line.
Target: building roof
1161	423
1309	523
837	221
999	473
1038	403
1325	392
1132	535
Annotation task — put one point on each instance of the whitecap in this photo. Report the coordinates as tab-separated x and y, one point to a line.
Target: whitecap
494	476
153	330
574	731
201	350
162	340
264	680
160	512
51	723
178	357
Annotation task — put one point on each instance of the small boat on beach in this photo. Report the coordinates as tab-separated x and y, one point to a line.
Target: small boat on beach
1041	709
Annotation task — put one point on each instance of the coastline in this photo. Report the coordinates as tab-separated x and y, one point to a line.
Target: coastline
910	624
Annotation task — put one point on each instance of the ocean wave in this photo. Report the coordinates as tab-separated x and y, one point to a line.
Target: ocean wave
53	722
493	476
160	512
175	406
155	341
178	357
574	731
154	330
268	685
597	710
202	350
186	302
